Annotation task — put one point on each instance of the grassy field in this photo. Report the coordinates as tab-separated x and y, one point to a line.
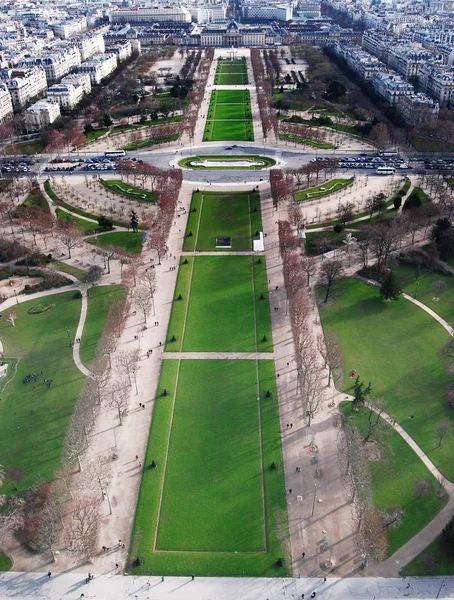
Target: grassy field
130	241
231	66
443	563
334	185
224	530
423	288
33	441
230	111
5	562
188	162
230	97
80	274
393	483
231	79
85	226
129	191
99	301
235	215
220	313
34	147
228	131
36	199
395	345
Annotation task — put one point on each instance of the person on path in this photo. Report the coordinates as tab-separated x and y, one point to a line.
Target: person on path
49	573
313	594
193	577
162	579
303	554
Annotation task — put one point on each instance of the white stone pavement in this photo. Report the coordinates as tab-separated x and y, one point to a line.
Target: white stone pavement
71	586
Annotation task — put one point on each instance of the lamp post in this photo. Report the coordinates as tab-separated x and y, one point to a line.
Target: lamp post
106	493
313	503
69	338
17	299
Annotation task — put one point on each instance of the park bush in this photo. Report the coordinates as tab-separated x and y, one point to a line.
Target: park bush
447	537
34	260
397	201
77	295
11	250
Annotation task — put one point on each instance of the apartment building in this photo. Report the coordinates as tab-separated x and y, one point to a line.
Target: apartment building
407	62
57	63
99	67
438	82
41	114
70	27
66	95
266	12
150	14
6	104
390	86
417	109
122	50
24	84
89	45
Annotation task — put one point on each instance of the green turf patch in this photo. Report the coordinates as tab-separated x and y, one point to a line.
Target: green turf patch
129	191
434	560
74	271
87	227
129	240
33	440
191	162
235	215
396	345
100	299
41	308
393	480
36	200
218	131
5	562
215	520
230	111
231	79
329	187
230	97
35	147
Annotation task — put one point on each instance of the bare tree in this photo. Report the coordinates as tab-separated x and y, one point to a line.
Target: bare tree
11	517
50	520
96	474
157	242
375	423
142	299
11	318
83	528
422	487
443	429
309	266
393	517
331	273
330	350
94	274
127	362
76	441
440	287
70	236
119	399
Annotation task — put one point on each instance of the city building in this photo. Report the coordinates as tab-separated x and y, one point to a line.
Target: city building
6	104
79	80
24	84
438	82
41	114
418	109
99	67
150	14
68	28
66	95
266	12
57	63
390	86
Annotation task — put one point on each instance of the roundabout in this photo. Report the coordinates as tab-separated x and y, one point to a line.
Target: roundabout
219	162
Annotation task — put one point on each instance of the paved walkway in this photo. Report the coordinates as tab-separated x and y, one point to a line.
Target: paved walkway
37	586
80	328
431	312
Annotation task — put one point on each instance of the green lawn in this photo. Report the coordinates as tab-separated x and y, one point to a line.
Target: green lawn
74	271
189	162
395	345
230	97
443	565
231	66
212	520
230	111
223	214
130	241
334	185
33	441
228	131
425	292
393	483
124	189
231	79
84	225
5	562
99	301
95	134
220	314
36	199
34	147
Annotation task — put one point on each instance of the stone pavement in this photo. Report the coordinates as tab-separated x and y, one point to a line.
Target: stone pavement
71	586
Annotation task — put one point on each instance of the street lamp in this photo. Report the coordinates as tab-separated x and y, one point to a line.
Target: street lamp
17	299
106	493
69	338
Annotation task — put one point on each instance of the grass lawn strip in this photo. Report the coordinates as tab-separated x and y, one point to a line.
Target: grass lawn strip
443	564
229	131
230	111
124	189
231	79
179	307
334	185
100	300
396	345
230	97
218	400
74	271
33	441
393	483
129	240
262	307
223	214
220	312
85	226
214	563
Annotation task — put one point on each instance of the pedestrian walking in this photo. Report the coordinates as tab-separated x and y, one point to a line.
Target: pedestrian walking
303	554
49	573
291	425
162	579
302	595
288	425
137	458
407	586
324	580
116	565
313	594
192	577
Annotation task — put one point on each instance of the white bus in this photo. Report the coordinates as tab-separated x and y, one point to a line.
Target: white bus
384	171
114	153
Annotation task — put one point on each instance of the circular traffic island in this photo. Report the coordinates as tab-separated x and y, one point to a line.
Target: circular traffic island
248	162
